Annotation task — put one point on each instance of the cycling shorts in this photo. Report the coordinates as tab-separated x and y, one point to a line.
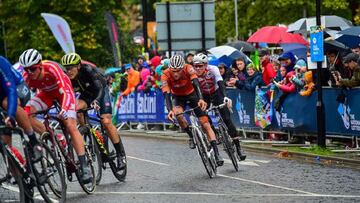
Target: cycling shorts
104	103
191	100
44	100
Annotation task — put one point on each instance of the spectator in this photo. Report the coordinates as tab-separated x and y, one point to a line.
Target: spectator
139	62
133	78
238	72
268	72
225	72
356	50
287	86
253	80
352	60
288	60
189	58
144	78
281	74
300	70
336	67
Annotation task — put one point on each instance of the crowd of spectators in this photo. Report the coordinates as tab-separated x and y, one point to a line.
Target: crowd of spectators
285	72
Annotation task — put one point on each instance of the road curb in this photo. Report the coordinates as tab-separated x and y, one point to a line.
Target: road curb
304	157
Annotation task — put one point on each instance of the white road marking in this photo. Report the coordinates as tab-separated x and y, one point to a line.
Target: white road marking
145	160
266	184
222	194
245	163
258	160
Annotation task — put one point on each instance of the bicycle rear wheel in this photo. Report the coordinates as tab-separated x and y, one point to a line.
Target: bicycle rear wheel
52	187
229	146
119	174
202	150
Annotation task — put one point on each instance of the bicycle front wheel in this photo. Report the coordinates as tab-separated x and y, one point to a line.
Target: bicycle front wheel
50	177
229	146
89	188
202	150
11	184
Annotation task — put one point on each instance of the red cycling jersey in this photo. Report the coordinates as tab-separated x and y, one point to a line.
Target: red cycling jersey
55	85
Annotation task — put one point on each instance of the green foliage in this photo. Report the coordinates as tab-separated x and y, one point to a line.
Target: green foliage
25	28
254	14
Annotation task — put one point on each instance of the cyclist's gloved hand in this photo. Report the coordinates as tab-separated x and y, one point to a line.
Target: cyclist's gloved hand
10	122
63	114
228	102
95	105
202	104
171	116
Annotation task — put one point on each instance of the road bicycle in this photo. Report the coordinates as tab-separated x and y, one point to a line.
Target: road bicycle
223	136
60	145
100	148
29	173
202	143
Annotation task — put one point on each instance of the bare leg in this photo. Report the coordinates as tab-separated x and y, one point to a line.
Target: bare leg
110	128
77	139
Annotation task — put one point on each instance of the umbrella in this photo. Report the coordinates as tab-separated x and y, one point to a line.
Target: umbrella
350	37
331	44
276	35
111	70
331	22
227	54
298	49
242	46
213	60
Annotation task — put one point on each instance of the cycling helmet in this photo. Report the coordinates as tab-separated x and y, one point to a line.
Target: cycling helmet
176	62
70	59
200	58
30	57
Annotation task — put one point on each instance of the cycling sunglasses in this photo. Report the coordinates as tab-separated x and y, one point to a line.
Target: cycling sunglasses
70	67
32	69
199	66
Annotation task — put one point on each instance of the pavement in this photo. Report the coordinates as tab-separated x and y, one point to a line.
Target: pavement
163	169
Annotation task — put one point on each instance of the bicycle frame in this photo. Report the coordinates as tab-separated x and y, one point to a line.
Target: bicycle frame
103	147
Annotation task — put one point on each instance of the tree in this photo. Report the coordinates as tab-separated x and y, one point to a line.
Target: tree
25	28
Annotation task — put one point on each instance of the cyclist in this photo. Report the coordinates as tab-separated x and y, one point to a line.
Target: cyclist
53	85
181	81
213	89
12	87
93	92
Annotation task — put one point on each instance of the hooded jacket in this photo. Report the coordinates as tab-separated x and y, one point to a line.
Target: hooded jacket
288	87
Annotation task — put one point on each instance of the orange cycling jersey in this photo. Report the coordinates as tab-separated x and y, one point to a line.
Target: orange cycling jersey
179	83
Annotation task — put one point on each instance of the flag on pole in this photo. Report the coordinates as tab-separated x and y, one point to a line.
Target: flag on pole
114	38
61	31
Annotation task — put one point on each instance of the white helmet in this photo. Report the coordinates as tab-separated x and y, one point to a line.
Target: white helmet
200	58
176	62
30	57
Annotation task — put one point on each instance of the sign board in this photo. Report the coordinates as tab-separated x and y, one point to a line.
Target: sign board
313	65
185	25
317	45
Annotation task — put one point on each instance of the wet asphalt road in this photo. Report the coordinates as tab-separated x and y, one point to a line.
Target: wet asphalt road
168	171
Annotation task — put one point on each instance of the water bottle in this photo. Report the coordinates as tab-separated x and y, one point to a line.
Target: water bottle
63	143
